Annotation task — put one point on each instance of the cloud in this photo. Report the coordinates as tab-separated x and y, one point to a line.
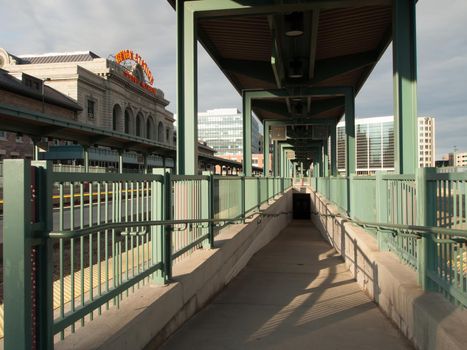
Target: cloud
149	27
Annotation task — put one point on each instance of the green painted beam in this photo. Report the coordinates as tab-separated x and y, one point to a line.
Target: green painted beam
350	132
325	159
253	69
266	143
331	67
187	94
334	149
246	116
18	238
300	121
405	86
282	108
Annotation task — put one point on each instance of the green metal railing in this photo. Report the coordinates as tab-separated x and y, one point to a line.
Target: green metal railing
421	218
76	244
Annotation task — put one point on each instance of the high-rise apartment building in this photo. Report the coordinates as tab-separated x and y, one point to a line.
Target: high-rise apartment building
426	142
375	144
222	129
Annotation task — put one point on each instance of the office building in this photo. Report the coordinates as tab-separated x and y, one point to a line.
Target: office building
222	129
375	144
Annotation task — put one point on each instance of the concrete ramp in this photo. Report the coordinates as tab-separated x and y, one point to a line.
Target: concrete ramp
296	293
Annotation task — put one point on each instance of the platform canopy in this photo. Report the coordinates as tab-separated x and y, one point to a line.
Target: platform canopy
292	44
296	61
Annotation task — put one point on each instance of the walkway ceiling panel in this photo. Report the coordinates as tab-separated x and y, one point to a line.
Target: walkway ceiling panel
337	46
352	30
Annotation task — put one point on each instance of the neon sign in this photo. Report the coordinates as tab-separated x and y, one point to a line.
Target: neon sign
125	55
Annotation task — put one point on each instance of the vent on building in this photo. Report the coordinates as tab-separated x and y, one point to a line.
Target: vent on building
319	132
278	133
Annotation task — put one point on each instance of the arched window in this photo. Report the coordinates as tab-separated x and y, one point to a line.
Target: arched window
128	121
160	132
139	124
116	117
167	137
149	128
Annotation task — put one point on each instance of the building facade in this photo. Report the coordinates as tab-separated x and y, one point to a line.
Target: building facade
375	144
222	129
426	142
28	93
458	159
114	95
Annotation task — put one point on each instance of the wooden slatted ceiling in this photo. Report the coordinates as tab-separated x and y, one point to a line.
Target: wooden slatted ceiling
246	38
352	30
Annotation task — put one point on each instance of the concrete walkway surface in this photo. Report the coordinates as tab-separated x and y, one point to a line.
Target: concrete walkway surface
296	293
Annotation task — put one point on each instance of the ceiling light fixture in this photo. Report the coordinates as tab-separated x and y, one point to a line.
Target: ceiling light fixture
294	24
295	68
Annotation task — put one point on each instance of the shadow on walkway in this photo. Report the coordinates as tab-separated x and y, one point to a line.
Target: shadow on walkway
295	293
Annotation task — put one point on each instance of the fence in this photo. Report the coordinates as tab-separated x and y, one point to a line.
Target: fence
78	243
405	212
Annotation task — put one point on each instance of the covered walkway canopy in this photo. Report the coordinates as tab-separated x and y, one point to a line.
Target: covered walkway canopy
298	64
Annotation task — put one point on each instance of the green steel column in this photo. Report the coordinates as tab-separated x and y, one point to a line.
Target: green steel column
157	213
334	149
86	159
350	132
17	244
326	159
187	94
44	190
321	163
426	216
282	162
381	207
405	86
274	159
246	100
207	210
120	161
266	141
145	163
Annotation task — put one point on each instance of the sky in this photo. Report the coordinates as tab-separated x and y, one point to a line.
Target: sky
148	27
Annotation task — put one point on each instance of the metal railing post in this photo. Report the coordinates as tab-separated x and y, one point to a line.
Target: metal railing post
258	183
425	217
167	230
381	207
20	331
157	213
243	197
44	208
207	210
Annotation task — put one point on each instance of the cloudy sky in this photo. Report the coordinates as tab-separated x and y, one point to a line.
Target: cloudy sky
148	26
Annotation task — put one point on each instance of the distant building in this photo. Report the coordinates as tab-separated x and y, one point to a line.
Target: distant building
114	93
28	93
375	144
222	129
426	142
458	159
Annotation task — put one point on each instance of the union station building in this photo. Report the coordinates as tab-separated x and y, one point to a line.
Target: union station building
114	93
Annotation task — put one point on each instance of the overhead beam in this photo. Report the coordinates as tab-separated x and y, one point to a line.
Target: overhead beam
331	67
254	69
220	8
405	87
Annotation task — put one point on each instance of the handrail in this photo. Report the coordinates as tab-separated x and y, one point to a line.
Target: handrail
432	230
119	225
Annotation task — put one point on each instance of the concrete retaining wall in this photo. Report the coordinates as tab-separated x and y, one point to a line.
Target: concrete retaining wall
153	313
427	319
